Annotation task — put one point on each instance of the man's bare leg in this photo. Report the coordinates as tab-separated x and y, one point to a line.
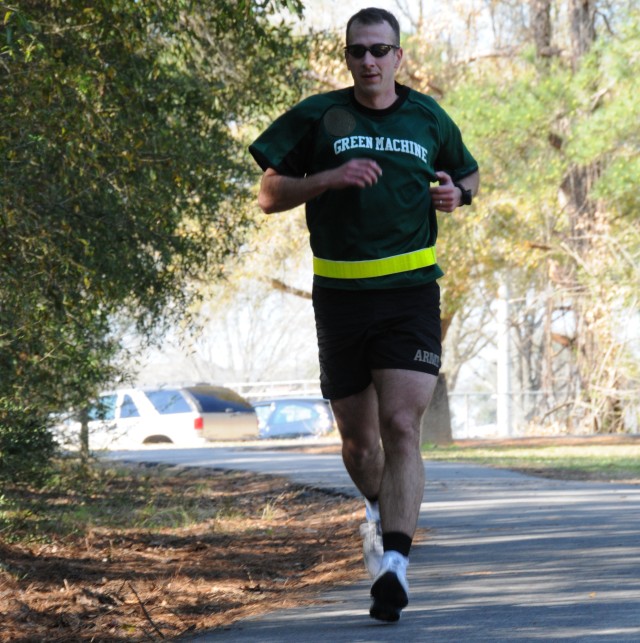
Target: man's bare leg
357	419
403	397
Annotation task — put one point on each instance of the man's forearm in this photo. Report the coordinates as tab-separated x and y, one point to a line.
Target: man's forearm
279	193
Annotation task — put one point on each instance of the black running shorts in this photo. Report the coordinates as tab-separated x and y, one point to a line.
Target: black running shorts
362	330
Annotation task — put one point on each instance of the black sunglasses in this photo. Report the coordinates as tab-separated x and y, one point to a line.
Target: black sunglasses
377	51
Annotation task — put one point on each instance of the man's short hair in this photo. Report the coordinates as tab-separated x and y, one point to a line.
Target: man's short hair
373	16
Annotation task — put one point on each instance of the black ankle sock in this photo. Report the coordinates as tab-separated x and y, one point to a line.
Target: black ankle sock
397	541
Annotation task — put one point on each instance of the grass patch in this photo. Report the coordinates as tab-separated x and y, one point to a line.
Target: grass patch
588	460
80	499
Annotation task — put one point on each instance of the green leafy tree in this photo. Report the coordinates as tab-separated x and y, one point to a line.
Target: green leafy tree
558	144
123	174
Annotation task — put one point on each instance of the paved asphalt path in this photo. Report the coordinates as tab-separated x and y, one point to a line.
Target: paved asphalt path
506	557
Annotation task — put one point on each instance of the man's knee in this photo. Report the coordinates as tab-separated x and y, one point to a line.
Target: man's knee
360	452
400	431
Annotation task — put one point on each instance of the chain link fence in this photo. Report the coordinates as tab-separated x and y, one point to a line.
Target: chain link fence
474	415
530	413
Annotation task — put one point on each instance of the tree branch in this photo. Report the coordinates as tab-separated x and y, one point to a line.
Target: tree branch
290	290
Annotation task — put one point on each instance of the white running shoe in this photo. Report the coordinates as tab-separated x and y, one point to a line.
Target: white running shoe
371	533
390	590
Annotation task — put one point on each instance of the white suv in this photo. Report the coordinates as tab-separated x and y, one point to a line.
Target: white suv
185	417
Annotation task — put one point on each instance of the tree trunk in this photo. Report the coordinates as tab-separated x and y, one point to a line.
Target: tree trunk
541	25
582	29
84	436
436	422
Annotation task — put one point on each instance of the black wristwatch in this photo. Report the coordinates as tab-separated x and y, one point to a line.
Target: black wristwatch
467	195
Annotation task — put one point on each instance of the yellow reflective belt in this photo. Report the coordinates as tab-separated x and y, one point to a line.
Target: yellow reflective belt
374	267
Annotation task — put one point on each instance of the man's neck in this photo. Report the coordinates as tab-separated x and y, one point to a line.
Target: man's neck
375	101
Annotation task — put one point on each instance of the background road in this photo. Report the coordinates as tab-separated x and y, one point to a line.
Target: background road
507	557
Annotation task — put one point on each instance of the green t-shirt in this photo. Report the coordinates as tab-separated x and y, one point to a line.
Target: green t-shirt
410	140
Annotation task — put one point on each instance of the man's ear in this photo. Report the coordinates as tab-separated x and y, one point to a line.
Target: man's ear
398	53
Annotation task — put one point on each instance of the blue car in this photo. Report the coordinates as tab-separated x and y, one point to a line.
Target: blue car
290	417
